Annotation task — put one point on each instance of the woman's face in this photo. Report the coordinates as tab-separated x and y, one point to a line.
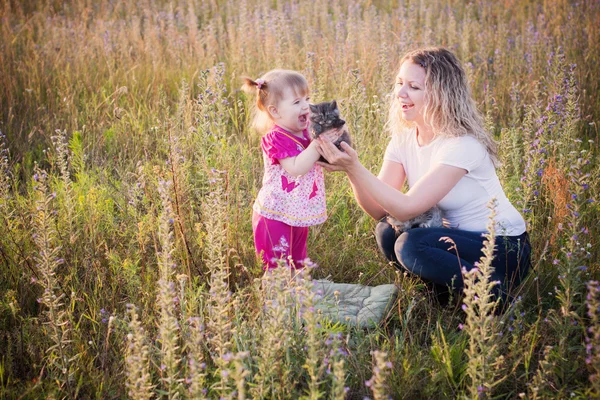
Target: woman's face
410	91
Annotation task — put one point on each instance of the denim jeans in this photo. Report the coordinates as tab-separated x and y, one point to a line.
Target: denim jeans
421	252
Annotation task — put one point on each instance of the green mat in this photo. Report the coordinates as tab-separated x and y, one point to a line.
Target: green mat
354	304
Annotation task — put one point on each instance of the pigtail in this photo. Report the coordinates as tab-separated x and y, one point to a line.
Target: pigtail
258	88
250	86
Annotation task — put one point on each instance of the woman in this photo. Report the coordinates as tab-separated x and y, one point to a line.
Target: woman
440	148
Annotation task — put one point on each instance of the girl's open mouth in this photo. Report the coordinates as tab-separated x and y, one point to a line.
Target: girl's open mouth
303	118
407	106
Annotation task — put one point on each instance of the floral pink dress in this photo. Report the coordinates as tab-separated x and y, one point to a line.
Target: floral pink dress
294	200
286	205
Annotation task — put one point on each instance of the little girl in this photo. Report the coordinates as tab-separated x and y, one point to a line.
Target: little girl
292	197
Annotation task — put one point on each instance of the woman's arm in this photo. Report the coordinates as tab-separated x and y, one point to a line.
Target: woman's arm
391	173
426	193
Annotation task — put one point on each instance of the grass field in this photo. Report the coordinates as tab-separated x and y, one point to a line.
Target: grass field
128	171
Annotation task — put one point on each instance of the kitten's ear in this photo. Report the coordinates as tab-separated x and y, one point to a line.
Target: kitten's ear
313	108
333	104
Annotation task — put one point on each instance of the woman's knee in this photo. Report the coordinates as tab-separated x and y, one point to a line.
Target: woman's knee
418	249
406	250
385	236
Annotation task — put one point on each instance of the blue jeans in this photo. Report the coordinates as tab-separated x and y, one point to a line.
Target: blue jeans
421	252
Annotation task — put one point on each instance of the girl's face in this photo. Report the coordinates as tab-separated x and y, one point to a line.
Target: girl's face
410	91
291	112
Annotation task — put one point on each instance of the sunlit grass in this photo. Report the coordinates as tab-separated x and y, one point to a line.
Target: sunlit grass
148	284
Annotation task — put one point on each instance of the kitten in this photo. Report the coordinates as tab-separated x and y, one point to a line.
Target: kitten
325	116
429	219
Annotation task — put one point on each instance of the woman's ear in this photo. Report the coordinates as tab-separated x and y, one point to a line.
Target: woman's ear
273	111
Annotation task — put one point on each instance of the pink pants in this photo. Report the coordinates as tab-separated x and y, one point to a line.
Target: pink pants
275	240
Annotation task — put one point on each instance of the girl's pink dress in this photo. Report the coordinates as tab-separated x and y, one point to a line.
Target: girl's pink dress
294	202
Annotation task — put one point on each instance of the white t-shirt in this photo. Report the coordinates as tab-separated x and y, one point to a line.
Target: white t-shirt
466	205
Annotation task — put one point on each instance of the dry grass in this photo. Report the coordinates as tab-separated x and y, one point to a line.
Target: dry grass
114	99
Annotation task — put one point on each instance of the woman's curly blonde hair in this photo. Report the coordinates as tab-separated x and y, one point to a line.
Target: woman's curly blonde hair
449	107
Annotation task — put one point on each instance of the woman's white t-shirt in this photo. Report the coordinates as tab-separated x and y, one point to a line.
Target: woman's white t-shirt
466	205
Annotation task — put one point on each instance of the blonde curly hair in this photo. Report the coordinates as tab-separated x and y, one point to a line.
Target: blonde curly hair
449	107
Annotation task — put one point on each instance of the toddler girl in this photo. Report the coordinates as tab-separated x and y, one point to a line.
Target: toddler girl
292	197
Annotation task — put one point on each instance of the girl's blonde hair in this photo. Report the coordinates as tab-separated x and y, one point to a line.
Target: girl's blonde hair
449	106
269	90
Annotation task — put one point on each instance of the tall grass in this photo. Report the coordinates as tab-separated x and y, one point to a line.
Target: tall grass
138	239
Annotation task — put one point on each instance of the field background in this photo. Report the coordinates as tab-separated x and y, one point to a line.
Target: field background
128	170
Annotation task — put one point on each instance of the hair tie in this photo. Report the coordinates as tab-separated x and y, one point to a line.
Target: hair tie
260	83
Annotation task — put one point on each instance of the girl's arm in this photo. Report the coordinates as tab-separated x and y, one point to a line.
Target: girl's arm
426	193
303	162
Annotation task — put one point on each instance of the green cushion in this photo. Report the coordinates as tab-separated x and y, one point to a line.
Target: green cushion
354	304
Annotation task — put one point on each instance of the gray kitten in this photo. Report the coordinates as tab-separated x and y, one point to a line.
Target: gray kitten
325	116
429	219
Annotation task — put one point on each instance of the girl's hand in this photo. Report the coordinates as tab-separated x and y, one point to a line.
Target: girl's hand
338	160
333	134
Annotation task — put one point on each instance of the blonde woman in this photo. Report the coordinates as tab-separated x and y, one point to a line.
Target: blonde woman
440	148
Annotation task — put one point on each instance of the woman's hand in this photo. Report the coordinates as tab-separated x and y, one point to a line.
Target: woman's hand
338	160
333	135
